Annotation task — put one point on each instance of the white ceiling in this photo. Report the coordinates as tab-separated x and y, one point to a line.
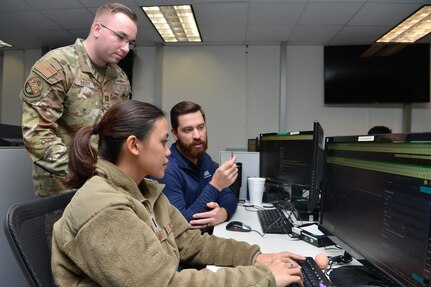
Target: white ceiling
32	24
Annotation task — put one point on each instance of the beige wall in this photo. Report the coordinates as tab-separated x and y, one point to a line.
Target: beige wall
239	89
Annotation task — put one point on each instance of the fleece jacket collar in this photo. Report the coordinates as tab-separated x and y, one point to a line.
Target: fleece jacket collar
119	190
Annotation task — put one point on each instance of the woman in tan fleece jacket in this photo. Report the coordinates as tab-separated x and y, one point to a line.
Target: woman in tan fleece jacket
120	230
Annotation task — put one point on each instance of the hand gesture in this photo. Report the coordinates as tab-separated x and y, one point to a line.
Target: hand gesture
225	175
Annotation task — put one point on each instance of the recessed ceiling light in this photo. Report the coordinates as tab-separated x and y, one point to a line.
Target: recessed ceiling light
174	23
4	44
410	30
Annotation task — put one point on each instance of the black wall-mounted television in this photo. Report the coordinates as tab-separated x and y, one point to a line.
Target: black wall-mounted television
403	77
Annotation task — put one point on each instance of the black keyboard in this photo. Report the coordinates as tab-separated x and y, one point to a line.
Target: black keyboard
313	275
274	221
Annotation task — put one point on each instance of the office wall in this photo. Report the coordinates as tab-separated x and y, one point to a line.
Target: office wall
263	82
421	117
214	77
13	74
145	70
239	89
15	69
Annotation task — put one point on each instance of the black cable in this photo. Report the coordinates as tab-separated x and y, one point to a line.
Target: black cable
256	208
258	232
333	247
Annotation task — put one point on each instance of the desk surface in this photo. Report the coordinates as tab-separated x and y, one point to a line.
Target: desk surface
270	242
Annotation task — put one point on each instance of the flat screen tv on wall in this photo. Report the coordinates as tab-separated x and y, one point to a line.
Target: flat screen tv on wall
403	77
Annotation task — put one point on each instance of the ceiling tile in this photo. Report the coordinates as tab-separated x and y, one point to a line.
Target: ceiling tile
359	34
67	18
309	33
338	1
229	22
381	14
27	21
224	13
148	35
271	13
401	1
329	13
98	3
273	33
50	4
13	6
221	34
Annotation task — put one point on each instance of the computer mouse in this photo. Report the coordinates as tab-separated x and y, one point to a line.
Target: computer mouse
238	226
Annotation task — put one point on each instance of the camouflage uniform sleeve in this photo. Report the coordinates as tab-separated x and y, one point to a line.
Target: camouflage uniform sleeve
42	98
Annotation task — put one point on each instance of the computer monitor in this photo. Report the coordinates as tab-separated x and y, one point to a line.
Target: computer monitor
376	205
11	135
294	159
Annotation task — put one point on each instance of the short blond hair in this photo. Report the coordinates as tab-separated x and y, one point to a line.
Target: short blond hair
114	8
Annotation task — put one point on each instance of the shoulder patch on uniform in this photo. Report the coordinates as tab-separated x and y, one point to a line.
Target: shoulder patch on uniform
46	69
33	87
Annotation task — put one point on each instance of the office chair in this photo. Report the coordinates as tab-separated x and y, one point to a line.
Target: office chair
28	228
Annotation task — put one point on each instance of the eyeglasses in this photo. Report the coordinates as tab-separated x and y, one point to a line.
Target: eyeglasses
121	38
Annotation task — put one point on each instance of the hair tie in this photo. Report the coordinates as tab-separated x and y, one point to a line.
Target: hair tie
95	129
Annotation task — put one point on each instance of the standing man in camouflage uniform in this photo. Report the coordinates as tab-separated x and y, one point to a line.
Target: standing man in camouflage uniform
73	86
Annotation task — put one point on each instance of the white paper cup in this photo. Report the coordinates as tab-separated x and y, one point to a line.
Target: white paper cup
255	189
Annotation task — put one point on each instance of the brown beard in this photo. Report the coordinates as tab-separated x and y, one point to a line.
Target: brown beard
190	151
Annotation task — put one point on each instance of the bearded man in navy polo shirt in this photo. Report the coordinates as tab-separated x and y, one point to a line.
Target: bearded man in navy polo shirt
194	184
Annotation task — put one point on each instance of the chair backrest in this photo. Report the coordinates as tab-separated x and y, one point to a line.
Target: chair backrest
28	227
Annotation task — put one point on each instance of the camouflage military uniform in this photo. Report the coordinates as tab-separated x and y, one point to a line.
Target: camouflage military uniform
64	92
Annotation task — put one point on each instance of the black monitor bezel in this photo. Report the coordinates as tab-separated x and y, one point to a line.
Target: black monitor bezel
396	137
316	169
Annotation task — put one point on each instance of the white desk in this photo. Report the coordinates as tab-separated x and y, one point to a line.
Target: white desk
270	242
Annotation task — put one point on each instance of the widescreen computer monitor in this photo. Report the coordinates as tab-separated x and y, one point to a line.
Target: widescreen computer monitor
294	159
376	205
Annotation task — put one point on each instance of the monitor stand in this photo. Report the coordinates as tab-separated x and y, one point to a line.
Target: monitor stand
303	212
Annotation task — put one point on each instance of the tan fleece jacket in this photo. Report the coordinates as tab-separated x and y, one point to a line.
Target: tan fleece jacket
114	233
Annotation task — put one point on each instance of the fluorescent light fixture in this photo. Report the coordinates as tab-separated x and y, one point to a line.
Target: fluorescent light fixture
4	44
410	30
174	23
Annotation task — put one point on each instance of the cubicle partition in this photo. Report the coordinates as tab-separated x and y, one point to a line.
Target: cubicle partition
16	186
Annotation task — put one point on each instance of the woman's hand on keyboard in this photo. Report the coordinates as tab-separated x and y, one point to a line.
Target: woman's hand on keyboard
288	257
286	273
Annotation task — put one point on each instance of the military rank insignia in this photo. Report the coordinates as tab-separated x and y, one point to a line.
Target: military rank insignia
168	227
33	87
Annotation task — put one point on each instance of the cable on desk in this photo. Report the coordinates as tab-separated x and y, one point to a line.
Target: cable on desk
252	208
258	232
333	247
340	259
255	208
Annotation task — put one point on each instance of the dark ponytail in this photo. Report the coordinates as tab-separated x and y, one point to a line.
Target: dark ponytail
81	158
124	119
